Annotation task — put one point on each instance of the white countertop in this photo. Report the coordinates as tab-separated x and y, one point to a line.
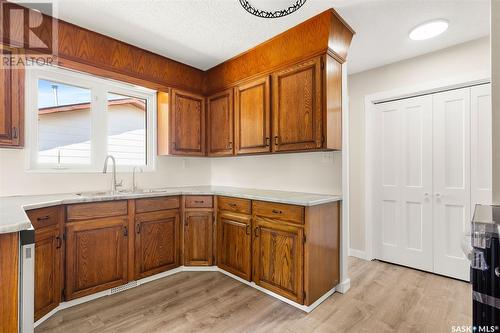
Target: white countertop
13	217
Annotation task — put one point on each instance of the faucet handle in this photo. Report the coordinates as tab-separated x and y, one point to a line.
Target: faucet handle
119	183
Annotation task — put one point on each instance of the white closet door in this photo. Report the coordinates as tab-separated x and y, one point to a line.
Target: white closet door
451	173
403	210
481	146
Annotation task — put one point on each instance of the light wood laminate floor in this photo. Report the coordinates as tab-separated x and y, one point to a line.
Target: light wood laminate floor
382	298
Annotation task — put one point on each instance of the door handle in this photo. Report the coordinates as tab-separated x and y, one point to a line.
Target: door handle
247	229
276	140
268	141
438	195
125	231
59	242
256	232
138	228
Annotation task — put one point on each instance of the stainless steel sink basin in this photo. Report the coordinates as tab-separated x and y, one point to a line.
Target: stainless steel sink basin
108	193
153	190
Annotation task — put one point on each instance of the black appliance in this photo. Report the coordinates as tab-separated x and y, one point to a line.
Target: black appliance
485	267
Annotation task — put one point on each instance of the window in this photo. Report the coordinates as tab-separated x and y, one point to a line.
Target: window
75	120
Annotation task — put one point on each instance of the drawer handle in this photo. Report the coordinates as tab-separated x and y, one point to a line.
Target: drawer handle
199	201
247	229
275	211
43	218
233	205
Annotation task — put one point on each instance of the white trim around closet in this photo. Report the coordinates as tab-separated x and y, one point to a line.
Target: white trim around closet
432	87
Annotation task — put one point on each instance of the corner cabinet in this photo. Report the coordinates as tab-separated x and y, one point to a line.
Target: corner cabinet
198	249
220	124
11	104
187	124
156	242
297	106
252	117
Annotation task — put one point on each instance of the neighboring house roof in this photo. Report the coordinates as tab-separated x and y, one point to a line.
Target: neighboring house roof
84	106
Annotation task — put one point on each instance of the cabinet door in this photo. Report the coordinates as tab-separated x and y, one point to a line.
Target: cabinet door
48	283
156	242
11	104
96	256
297	107
234	244
198	239
220	124
278	258
252	117
187	126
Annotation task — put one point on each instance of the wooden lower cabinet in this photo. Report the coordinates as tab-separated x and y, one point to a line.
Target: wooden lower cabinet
156	242
234	244
278	257
48	270
9	282
198	238
96	255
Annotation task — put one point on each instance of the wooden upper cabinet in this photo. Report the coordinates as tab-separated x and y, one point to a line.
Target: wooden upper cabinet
234	244
297	107
187	124
198	238
220	124
252	117
48	270
278	257
156	242
11	104
96	255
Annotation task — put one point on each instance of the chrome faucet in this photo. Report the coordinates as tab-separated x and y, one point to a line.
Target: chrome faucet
134	187
114	184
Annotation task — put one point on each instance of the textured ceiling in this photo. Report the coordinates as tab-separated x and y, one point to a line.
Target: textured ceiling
204	33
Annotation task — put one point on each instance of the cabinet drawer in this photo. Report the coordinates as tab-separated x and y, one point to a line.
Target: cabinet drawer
154	204
243	206
43	217
284	212
199	201
96	210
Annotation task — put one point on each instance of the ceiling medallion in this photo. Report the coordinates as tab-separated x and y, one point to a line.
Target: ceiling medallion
272	14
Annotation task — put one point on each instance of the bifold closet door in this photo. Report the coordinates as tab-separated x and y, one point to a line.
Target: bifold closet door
403	205
451	173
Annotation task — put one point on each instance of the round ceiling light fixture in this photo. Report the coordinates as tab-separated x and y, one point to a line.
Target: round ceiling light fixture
293	6
429	29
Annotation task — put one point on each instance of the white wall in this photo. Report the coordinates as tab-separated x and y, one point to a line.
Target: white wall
452	62
303	172
495	89
170	171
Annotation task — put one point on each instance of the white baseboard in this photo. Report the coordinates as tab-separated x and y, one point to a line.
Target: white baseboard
357	253
344	286
85	299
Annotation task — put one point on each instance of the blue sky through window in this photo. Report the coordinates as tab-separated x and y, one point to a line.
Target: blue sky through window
66	94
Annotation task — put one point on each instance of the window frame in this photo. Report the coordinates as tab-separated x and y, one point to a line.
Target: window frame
99	89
